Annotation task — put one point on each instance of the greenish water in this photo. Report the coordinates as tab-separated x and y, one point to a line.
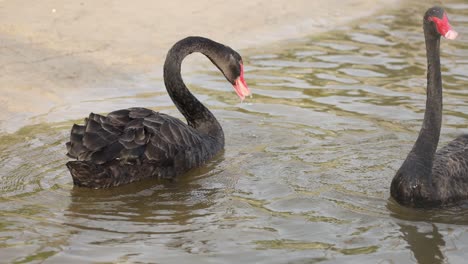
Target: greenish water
304	177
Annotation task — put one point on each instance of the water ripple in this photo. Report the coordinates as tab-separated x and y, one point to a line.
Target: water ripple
304	177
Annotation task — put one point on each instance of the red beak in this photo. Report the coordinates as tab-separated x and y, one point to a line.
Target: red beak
444	27
240	86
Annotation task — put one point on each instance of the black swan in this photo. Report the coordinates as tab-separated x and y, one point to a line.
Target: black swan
426	178
136	143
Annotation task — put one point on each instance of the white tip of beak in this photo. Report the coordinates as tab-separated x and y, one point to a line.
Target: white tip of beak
451	34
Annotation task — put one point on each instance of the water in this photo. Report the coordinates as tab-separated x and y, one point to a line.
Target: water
304	177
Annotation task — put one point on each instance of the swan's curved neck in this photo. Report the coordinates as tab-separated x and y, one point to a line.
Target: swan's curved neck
197	115
426	144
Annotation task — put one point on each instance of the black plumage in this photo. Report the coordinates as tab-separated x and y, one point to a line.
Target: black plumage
428	178
136	143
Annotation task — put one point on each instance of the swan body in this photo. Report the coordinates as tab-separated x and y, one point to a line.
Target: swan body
428	178
132	144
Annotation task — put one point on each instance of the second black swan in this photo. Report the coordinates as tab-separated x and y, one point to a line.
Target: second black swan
136	143
428	178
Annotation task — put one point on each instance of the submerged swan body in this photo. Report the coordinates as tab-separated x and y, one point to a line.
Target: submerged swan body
136	143
426	178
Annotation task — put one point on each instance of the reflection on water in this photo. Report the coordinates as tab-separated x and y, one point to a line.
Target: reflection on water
426	246
304	177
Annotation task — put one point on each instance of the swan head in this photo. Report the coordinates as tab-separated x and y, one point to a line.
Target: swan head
437	18
233	69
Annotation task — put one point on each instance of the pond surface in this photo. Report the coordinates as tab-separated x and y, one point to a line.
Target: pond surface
304	177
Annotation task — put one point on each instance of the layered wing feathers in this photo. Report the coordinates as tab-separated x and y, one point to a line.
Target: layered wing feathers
136	135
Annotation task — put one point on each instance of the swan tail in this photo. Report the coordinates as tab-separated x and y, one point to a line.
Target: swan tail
111	174
88	174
